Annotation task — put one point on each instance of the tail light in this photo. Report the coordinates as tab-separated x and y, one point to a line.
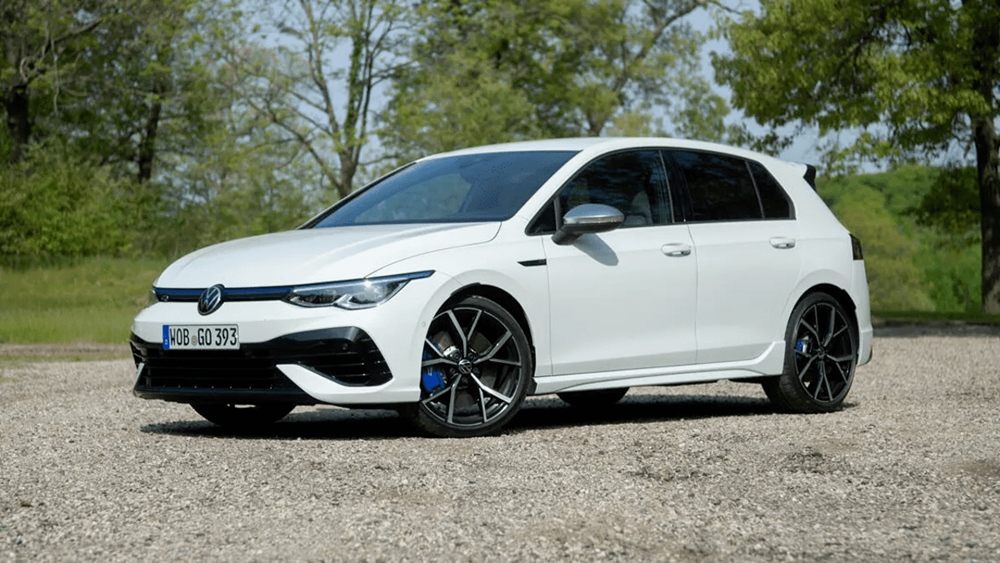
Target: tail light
856	248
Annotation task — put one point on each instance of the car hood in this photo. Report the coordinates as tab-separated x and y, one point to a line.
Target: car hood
316	255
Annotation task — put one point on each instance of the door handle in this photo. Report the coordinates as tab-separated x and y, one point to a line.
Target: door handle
783	242
676	249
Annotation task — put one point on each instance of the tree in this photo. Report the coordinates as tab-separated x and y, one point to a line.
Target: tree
36	36
498	70
299	83
922	77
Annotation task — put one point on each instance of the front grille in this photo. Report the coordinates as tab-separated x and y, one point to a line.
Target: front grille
224	369
347	356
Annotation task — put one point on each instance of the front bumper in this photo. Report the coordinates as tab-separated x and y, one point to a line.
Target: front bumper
256	373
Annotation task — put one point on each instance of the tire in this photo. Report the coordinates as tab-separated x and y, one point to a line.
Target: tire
476	370
243	417
821	354
593	399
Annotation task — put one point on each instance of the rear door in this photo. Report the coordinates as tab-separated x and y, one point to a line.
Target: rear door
744	233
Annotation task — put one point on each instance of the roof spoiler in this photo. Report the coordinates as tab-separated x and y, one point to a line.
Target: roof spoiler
810	176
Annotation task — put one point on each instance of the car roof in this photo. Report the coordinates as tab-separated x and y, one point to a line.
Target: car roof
603	144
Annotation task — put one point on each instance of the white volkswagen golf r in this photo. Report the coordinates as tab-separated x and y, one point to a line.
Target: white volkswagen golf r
461	283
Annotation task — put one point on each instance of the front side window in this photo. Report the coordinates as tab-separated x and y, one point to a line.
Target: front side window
451	189
631	182
719	186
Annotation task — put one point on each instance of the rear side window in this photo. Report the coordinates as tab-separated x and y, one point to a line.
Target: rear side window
773	199
719	186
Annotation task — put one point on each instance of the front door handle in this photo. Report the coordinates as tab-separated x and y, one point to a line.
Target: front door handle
783	242
676	249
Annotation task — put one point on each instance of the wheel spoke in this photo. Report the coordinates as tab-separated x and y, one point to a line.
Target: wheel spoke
504	362
472	329
838	333
833	320
434	347
843	374
438	361
821	381
826	383
459	331
840	359
805	368
451	402
496	348
490	391
809	327
435	396
482	406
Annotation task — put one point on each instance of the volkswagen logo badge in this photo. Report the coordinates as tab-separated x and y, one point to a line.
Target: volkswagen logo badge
210	300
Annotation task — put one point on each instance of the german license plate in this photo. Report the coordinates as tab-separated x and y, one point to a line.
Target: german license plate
201	337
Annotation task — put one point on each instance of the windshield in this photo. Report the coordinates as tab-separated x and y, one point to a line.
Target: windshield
452	189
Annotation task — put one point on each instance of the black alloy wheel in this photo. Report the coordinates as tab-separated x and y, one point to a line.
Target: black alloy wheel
820	358
475	373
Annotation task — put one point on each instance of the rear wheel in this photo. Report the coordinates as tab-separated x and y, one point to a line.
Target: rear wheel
820	357
475	373
596	398
243	417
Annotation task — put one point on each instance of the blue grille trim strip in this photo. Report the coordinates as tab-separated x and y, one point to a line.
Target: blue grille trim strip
228	294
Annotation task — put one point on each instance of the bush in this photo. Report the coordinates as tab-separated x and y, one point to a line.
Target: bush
55	205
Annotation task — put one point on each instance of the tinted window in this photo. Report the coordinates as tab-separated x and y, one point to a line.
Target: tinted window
631	182
479	187
719	186
772	198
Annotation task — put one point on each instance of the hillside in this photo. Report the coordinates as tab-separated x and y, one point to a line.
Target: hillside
910	267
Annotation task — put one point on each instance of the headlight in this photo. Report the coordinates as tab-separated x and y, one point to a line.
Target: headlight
354	294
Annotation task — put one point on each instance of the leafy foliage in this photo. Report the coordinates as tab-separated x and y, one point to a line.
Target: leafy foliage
952	204
57	204
487	71
911	266
919	77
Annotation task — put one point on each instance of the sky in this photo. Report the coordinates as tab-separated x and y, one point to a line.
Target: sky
805	147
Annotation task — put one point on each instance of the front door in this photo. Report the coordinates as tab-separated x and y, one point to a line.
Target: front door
624	299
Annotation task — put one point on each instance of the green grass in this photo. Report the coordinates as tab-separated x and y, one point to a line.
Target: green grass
918	317
90	300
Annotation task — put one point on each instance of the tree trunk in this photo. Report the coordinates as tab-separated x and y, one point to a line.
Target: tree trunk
987	163
147	145
348	166
986	64
16	104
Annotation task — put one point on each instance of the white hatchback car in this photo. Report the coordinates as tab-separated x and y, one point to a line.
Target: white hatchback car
459	284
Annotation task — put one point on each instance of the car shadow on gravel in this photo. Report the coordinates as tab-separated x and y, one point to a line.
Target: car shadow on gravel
547	412
538	413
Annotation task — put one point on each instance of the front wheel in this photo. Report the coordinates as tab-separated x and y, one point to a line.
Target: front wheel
243	417
820	357
475	373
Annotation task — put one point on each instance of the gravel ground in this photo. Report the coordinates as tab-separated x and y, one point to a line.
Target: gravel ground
910	469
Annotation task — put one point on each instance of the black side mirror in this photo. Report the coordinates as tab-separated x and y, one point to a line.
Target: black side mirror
587	218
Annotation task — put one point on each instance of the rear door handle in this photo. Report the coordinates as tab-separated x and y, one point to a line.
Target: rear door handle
783	242
676	249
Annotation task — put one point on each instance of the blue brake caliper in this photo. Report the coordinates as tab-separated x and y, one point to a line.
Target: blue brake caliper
431	379
802	345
